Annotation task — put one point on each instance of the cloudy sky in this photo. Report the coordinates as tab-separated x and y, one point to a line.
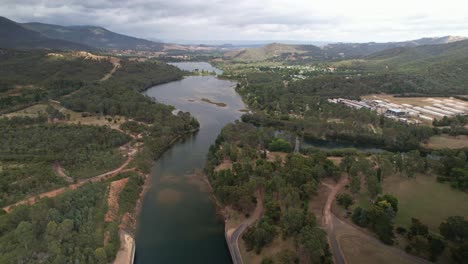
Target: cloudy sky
300	20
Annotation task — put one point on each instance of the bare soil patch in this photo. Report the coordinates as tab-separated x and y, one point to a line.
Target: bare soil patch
113	199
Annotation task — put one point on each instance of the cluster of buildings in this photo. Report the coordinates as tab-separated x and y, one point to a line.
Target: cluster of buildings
412	114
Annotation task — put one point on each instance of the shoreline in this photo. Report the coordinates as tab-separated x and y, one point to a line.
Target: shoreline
129	221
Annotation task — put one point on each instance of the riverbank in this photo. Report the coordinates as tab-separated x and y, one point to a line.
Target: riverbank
129	223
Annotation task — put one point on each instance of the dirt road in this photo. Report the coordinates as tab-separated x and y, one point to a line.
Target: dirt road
32	200
336	227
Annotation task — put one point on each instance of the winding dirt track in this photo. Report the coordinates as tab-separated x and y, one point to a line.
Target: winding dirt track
32	199
330	221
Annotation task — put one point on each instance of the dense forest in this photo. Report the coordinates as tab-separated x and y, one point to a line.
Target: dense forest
296	108
70	228
285	186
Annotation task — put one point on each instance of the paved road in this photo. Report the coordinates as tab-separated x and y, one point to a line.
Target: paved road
233	238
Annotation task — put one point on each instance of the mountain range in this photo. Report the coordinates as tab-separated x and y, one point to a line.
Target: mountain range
35	35
46	36
333	51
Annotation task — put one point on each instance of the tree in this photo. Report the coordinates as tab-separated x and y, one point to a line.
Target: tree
24	233
273	211
390	199
100	255
373	185
345	200
314	244
355	184
418	229
279	144
436	247
455	229
460	253
360	217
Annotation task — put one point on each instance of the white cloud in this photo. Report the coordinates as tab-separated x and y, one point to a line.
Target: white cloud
324	20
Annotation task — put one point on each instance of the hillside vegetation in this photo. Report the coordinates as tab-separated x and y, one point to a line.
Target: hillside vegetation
15	36
96	37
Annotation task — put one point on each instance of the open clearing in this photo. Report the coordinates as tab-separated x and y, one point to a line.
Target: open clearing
424	198
447	141
75	117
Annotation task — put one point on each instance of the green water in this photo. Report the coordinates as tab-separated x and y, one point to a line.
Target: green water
178	221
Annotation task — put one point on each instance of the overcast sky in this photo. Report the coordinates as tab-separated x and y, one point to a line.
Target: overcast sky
303	20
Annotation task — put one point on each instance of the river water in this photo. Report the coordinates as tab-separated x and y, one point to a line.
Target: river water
178	221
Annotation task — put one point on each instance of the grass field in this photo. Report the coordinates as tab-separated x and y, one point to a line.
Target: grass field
446	141
424	198
271	250
358	249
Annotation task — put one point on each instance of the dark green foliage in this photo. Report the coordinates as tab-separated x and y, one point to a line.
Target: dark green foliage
259	236
460	253
279	144
452	166
417	228
14	35
455	229
275	102
379	217
39	76
436	247
96	37
28	151
360	217
345	200
287	186
64	229
130	193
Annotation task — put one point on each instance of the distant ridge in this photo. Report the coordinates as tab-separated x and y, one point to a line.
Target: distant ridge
334	51
15	36
96	37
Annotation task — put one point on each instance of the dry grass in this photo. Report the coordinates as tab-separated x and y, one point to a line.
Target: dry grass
358	249
278	245
273	155
424	198
225	165
447	141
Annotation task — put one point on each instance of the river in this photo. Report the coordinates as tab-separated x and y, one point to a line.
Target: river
178	221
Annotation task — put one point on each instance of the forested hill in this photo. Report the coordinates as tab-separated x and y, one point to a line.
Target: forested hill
13	35
436	69
355	50
96	37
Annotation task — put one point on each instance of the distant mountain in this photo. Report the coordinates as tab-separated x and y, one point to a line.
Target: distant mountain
15	36
274	51
355	50
329	52
96	37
